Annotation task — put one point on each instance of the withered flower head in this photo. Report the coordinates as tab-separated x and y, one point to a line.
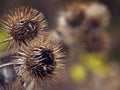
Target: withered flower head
42	61
72	15
23	25
70	20
97	16
77	18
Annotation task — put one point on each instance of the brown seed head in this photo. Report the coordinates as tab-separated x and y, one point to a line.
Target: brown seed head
23	25
42	60
97	16
70	20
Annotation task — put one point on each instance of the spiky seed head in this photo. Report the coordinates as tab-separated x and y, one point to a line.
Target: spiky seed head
97	16
23	25
42	60
77	18
70	20
73	14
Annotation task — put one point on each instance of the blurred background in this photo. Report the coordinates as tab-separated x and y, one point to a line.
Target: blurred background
92	41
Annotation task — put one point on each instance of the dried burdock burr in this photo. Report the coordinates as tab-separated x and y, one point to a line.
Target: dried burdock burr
97	16
23	25
72	15
43	61
77	18
70	20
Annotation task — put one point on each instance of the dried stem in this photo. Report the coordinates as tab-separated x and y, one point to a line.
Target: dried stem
7	64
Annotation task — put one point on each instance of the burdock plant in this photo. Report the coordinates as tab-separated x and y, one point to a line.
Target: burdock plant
42	61
23	25
39	57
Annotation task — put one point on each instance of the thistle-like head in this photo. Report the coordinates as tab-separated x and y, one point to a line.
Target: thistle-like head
42	60
23	25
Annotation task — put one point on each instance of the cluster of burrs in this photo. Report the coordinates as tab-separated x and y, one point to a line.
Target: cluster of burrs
39	54
85	23
39	58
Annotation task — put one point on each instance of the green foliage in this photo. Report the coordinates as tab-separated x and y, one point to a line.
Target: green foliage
96	64
78	73
3	46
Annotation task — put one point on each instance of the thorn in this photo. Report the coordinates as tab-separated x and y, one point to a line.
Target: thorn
6	40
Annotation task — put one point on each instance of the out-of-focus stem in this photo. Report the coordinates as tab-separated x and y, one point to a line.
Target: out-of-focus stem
7	64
